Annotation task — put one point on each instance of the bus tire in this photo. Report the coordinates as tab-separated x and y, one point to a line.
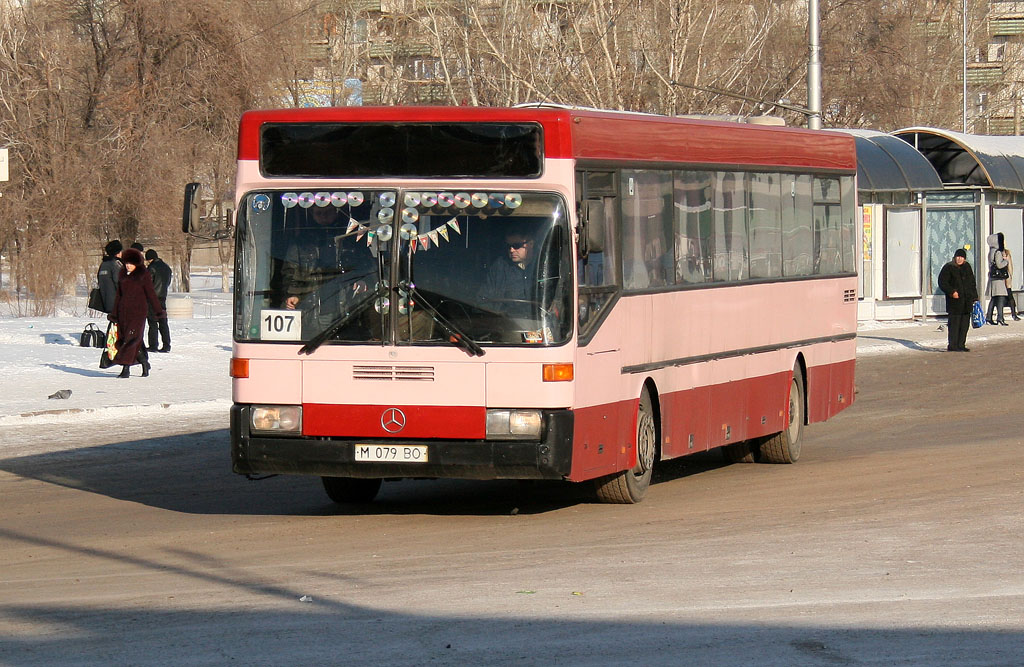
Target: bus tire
344	490
747	451
630	486
784	446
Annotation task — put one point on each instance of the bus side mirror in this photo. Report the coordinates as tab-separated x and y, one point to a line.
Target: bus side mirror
592	233
190	212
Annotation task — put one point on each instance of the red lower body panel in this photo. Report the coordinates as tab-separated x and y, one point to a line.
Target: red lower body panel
410	421
699	419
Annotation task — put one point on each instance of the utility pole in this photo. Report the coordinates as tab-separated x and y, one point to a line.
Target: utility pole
964	33
814	67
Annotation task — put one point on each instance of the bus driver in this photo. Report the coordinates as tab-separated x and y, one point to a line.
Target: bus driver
511	276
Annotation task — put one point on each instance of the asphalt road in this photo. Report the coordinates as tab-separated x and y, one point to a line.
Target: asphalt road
897	539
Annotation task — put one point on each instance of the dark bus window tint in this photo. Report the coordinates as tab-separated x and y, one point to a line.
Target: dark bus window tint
729	214
797	237
765	226
849	201
647	254
693	238
368	150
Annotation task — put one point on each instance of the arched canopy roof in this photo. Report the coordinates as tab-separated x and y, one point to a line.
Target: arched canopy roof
889	164
970	159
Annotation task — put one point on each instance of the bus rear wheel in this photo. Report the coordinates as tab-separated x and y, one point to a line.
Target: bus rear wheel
630	486
344	490
784	446
747	451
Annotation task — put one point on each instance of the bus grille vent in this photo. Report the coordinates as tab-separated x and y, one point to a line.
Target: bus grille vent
849	295
391	373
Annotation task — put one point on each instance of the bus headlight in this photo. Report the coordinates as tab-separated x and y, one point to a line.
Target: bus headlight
279	419
514	424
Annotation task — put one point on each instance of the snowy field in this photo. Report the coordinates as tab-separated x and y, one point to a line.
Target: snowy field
42	356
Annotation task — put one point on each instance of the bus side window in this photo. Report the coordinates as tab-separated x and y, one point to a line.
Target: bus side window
597	271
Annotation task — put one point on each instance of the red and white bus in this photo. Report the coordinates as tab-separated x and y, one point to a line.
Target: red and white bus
534	293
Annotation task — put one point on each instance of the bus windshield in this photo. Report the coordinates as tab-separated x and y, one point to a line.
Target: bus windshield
404	267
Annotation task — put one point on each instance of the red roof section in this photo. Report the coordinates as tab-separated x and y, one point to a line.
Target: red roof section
604	135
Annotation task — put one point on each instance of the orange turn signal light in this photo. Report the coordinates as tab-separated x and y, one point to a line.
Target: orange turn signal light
558	372
239	368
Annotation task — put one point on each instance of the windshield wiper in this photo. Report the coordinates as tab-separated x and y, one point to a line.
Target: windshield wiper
452	333
347	317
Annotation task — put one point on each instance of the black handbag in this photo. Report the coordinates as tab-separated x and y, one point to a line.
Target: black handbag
997	273
96	300
106	361
92	336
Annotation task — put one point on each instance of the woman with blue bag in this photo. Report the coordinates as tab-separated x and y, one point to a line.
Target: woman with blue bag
957	280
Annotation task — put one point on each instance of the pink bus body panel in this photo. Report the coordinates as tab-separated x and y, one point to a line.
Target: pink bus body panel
706	404
719	360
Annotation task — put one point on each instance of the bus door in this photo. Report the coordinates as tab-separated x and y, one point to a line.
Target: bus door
603	417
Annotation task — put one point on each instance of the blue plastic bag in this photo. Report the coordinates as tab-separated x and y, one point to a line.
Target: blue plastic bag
977	316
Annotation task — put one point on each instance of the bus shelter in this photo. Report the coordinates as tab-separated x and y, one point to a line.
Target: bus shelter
893	180
917	206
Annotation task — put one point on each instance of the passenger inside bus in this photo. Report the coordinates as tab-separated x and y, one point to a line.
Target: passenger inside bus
323	268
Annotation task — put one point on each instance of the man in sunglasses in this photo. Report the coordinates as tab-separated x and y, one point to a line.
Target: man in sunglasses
512	277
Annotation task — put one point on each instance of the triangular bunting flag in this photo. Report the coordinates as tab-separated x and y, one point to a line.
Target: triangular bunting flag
433	237
424	242
454	224
352	224
443	231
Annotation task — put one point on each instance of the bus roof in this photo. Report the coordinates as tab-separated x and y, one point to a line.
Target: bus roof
604	136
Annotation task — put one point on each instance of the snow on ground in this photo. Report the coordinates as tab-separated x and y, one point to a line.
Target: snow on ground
41	356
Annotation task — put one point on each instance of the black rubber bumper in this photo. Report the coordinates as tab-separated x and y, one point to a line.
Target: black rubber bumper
549	458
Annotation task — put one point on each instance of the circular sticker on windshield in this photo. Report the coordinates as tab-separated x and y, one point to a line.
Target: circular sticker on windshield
289	199
306	199
260	202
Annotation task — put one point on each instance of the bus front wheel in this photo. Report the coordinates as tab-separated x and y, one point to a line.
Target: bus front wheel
351	489
630	486
784	446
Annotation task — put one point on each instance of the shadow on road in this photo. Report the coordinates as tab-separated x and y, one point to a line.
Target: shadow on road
191	473
909	344
282	625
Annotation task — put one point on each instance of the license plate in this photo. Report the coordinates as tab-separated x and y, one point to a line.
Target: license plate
392	453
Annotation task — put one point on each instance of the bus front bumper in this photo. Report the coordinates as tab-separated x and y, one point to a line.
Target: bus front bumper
548	458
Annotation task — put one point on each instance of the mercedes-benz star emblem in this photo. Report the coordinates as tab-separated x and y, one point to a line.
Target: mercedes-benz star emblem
393	420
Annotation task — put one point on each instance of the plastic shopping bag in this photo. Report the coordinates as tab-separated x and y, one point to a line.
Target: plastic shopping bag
977	316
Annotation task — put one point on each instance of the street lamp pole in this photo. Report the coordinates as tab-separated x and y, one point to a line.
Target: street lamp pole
814	67
964	34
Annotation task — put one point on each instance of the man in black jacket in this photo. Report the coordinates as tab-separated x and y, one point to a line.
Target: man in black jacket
109	273
161	275
512	278
956	279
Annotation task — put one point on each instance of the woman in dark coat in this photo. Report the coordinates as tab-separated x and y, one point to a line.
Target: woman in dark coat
135	296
